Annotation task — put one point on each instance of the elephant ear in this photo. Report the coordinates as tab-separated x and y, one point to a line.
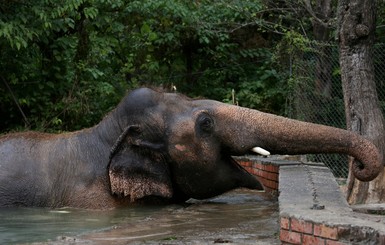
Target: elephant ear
138	170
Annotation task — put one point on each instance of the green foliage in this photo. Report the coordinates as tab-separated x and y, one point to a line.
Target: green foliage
54	86
265	90
67	63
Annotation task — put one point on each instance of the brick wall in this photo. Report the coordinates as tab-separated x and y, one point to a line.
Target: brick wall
266	172
298	231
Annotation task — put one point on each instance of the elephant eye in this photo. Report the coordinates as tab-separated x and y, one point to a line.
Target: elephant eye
206	123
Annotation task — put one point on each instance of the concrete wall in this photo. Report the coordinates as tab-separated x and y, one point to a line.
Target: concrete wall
312	207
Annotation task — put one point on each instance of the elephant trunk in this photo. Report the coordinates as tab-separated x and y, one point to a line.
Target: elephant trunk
280	135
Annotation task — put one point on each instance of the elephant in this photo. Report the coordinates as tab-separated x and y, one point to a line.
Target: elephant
157	146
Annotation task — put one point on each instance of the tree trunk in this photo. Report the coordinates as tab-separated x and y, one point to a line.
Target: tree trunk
356	23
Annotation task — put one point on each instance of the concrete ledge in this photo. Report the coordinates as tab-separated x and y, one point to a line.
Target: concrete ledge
266	170
312	208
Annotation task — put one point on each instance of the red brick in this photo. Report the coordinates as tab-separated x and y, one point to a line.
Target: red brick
326	232
312	240
267	175
290	237
246	163
331	242
249	169
257	172
285	223
301	226
260	172
264	174
272	168
272	176
261	175
271	184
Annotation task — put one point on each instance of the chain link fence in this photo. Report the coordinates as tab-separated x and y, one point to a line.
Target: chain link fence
317	93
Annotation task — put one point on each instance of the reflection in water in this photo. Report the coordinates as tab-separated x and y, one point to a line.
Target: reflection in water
241	216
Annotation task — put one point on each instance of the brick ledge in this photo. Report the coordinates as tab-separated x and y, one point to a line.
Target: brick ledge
312	207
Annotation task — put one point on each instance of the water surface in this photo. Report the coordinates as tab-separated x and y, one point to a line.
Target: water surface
240	217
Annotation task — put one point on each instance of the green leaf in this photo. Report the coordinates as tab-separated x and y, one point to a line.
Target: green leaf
145	29
91	12
18	45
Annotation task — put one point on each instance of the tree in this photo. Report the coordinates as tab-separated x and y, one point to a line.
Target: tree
315	20
356	22
65	64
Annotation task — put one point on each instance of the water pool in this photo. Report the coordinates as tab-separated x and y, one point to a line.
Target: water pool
241	216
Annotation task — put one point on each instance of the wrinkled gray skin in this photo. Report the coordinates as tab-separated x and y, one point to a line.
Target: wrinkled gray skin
163	145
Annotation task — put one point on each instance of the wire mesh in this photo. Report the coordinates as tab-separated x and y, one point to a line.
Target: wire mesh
317	93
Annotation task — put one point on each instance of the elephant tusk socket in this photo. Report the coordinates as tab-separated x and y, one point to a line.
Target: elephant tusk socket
260	151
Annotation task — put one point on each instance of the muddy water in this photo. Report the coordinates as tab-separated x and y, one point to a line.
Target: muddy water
240	217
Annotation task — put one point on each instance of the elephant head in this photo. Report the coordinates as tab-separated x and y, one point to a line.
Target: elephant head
176	147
